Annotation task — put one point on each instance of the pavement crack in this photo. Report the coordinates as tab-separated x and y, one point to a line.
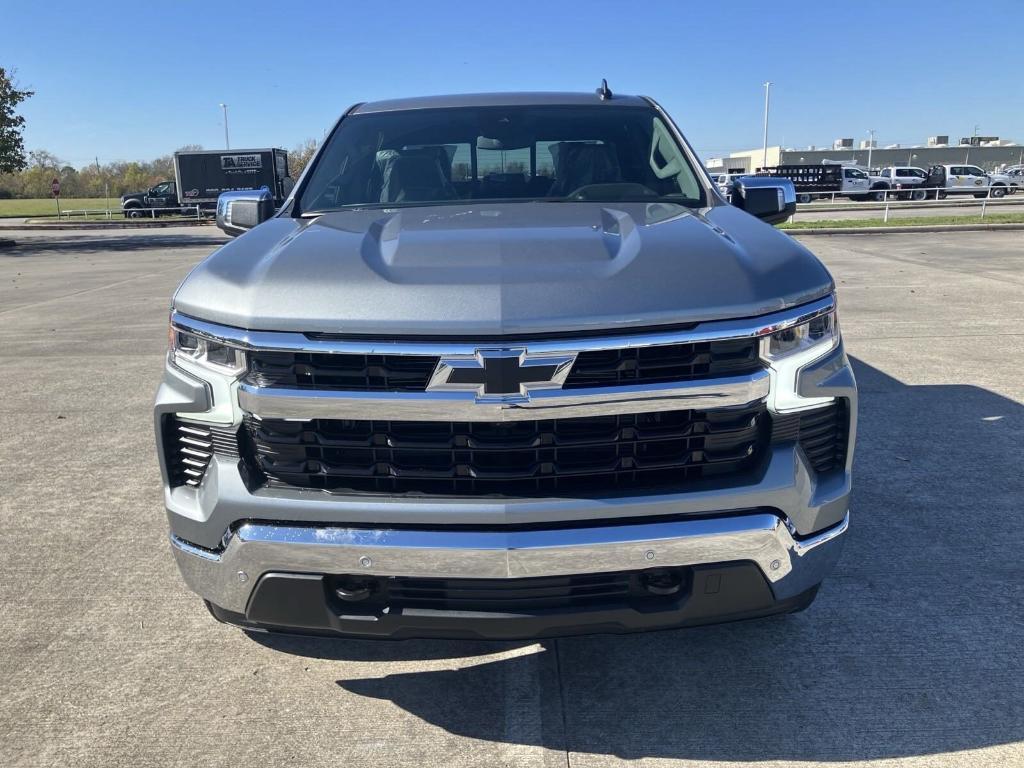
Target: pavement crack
560	682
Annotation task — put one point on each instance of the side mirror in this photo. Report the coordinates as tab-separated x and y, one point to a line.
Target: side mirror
770	198
240	211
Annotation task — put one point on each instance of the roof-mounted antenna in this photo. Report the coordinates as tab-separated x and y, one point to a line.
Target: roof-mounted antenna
604	91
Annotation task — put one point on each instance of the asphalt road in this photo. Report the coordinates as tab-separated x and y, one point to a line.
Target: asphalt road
911	656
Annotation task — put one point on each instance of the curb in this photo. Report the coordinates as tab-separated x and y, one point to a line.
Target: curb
903	230
105	225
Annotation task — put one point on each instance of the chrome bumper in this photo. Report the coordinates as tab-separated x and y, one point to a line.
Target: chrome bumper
227	577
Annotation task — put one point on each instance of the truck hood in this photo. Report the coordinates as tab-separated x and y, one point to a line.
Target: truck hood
497	269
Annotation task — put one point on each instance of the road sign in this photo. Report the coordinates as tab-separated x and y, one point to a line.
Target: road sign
55	187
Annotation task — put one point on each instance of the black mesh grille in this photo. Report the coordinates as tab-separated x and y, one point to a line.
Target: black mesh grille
189	446
672	362
325	370
411	373
526	595
822	434
580	456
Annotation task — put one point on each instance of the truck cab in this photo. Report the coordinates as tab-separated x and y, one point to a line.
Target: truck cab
161	195
856	183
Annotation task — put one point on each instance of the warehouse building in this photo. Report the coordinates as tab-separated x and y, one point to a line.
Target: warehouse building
988	152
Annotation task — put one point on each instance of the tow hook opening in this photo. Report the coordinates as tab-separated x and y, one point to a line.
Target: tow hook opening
662	581
353	589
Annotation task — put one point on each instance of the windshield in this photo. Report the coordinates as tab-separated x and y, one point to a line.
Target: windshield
456	155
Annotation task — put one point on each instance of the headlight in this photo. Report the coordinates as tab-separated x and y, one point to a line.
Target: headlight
788	350
208	353
815	337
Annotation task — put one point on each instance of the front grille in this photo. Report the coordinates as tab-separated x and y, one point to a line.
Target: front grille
659	364
821	432
326	370
411	373
526	595
579	456
189	446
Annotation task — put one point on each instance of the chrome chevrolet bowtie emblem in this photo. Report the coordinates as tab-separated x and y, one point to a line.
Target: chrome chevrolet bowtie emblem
501	374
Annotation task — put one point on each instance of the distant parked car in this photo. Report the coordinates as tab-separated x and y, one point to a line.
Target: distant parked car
724	181
1015	178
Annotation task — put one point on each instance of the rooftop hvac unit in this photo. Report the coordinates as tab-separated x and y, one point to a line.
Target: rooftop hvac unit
938	141
977	141
842	144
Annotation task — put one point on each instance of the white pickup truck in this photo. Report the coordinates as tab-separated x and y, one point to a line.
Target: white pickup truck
967	180
901	182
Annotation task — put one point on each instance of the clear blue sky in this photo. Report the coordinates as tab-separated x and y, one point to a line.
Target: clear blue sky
137	80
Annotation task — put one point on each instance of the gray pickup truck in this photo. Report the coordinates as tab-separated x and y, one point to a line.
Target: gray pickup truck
506	366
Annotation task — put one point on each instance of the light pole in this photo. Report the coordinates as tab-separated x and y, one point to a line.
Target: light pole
767	93
974	137
227	141
871	144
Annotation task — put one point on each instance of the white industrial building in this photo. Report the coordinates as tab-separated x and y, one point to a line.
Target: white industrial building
988	152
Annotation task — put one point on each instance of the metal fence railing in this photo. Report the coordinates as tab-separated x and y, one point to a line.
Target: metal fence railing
912	199
182	211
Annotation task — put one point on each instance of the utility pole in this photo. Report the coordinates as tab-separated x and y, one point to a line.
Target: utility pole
227	141
106	190
974	137
871	144
767	93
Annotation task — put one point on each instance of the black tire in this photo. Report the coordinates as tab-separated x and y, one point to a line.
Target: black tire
998	191
133	213
918	194
803	197
940	195
877	195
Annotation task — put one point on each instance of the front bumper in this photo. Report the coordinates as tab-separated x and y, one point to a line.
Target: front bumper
744	547
278	576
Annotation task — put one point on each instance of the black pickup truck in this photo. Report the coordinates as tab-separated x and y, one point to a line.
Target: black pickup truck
200	178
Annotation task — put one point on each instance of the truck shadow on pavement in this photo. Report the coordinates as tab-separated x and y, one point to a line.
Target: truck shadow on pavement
912	648
106	242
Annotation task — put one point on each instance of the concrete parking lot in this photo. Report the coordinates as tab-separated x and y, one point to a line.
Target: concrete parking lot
911	656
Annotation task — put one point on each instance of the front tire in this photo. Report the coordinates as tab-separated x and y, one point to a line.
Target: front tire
803	197
877	196
133	213
918	194
998	192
